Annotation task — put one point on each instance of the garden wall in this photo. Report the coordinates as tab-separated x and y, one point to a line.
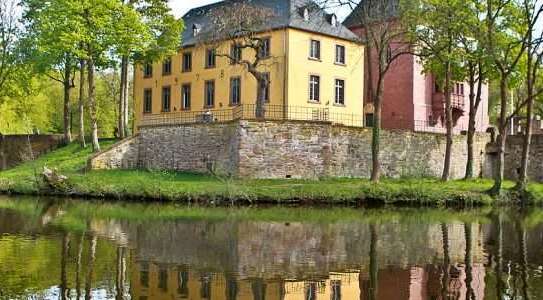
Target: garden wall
15	149
287	149
513	157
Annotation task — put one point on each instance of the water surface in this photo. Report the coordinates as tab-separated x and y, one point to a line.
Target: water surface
68	249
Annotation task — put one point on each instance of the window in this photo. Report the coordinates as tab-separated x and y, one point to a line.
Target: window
163	279
263	89
235	91
167	66
205	287
336	289
144	275
187	62
315	49
305	14
182	285
147	101
210	58
235	54
461	89
265	48
185	97
209	93
369	120
196	29
166	98
314	88
340	92
148	71
340	54
310	291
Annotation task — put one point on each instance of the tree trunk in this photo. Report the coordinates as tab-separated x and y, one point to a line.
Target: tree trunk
78	266
64	266
446	261
67	87
90	272
127	128
263	83
82	104
501	139
449	124
374	268
376	131
523	176
470	293
471	124
122	97
92	105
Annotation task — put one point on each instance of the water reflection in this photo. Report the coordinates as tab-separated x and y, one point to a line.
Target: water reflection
71	250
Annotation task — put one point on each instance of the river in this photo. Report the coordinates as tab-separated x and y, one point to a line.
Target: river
71	249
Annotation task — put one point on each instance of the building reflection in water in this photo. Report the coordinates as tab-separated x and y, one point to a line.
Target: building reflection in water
268	260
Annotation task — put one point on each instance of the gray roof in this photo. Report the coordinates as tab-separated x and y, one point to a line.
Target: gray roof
379	10
289	13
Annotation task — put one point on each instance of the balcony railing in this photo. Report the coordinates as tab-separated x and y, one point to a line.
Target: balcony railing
249	112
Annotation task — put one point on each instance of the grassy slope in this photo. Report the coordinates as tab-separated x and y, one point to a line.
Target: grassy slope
71	161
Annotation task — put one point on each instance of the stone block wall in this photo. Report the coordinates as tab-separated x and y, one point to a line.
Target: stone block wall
513	157
302	150
193	147
15	149
287	149
122	155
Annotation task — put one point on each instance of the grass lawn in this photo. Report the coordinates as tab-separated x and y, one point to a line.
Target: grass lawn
197	188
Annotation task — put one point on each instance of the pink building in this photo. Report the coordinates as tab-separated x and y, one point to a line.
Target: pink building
412	100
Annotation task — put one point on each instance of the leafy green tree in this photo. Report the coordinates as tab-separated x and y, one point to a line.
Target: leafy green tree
52	46
476	67
436	29
507	37
10	30
162	38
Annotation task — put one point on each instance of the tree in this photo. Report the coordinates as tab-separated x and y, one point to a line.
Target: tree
9	58
435	29
506	41
52	46
162	39
242	22
476	68
534	56
383	33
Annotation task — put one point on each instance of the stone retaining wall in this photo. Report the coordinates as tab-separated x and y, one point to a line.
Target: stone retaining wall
301	150
513	157
287	149
15	149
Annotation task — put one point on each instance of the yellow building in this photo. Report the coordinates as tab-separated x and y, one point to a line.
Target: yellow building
315	67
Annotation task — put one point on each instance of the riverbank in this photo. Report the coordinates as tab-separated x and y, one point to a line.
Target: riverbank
197	188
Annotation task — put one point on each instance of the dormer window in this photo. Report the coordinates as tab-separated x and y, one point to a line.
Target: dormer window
305	13
195	29
333	20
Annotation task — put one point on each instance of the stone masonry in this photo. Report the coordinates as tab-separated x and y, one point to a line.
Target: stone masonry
286	149
14	149
513	156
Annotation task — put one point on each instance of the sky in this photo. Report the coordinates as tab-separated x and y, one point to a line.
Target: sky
180	7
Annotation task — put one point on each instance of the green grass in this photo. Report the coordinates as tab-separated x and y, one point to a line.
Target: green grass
197	188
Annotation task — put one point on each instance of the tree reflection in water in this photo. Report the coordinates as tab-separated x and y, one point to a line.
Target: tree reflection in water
414	254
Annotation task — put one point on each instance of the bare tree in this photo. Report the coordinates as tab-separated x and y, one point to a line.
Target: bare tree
243	24
82	65
382	31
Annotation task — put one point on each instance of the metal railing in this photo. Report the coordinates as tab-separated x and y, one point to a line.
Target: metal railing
249	112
